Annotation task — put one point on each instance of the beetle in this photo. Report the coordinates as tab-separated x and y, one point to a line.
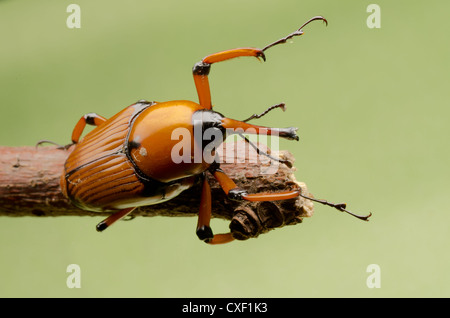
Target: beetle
127	160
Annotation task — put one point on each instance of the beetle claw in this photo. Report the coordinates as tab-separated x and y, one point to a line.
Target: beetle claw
261	55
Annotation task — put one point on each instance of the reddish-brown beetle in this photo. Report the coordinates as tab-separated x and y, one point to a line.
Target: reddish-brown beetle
126	161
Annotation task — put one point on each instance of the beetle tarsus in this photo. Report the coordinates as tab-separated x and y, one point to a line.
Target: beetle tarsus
58	146
361	217
295	33
281	105
342	207
338	206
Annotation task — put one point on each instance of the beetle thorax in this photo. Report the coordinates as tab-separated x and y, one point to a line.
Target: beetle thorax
166	141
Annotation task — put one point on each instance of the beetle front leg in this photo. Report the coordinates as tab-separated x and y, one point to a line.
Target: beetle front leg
204	231
233	192
202	68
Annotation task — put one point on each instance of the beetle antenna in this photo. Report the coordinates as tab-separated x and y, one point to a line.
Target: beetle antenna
295	33
282	106
260	152
340	206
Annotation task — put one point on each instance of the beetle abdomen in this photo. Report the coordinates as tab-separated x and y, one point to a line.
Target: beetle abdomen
97	174
100	174
101	184
106	139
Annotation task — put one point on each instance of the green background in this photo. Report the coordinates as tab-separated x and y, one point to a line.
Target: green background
373	116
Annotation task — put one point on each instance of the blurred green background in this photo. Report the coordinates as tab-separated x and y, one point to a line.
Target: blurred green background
373	116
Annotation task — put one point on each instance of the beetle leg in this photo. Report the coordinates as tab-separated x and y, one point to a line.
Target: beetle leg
204	231
58	146
110	220
90	119
202	68
295	33
236	126
235	193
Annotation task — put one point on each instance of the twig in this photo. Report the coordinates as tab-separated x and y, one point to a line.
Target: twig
29	186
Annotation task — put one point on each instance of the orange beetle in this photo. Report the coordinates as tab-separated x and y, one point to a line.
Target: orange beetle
127	160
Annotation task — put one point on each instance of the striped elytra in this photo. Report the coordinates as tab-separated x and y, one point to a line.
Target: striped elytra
101	175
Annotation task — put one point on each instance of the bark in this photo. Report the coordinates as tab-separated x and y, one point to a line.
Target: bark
29	186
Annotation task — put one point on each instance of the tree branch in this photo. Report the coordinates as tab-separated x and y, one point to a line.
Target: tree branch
29	186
